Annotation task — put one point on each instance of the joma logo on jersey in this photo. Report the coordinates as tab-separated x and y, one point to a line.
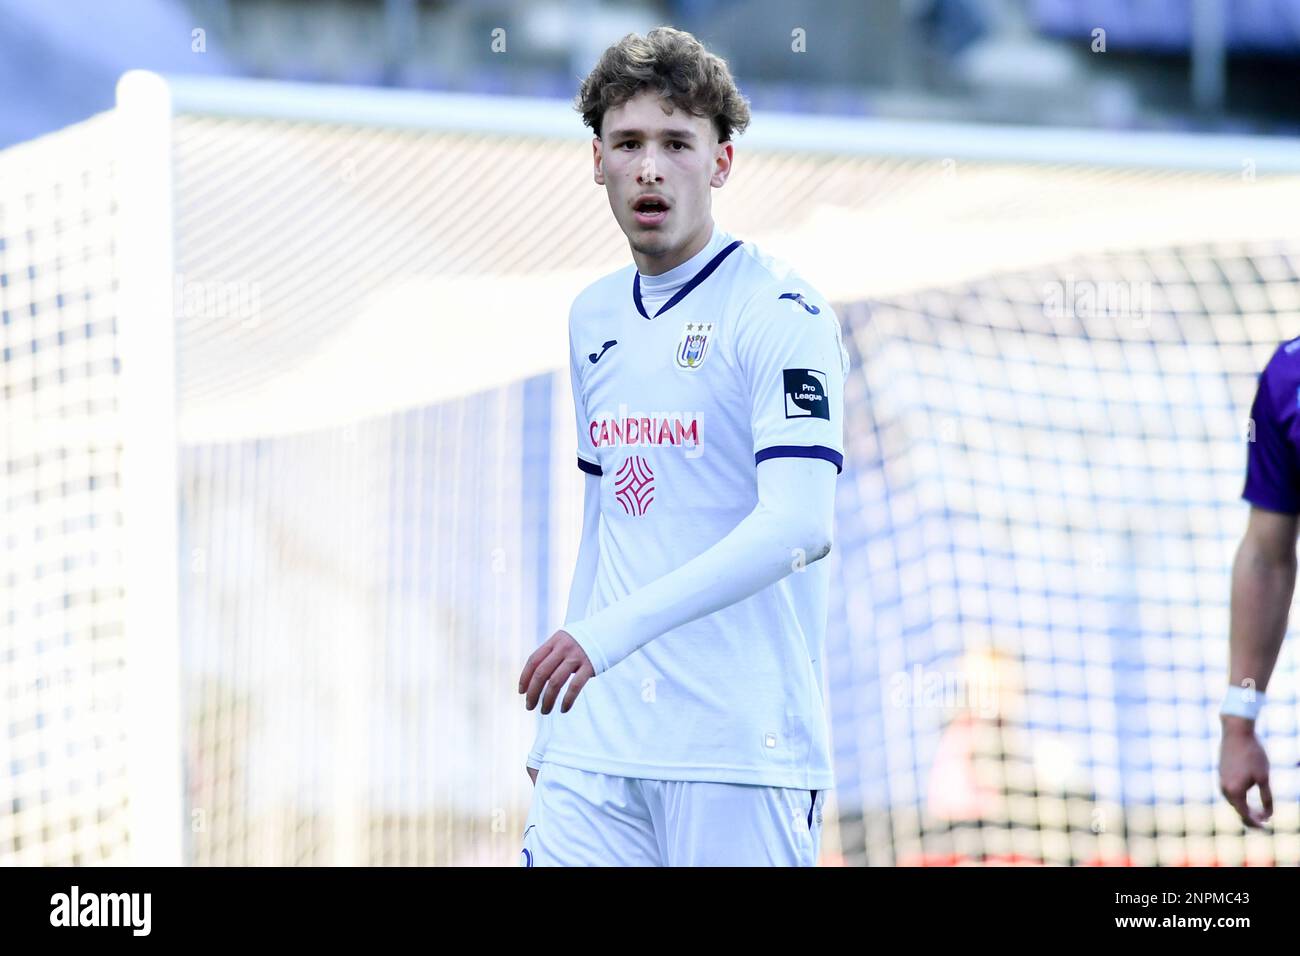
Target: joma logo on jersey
797	297
694	344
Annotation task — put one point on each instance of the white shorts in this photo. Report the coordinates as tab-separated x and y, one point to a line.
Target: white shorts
581	818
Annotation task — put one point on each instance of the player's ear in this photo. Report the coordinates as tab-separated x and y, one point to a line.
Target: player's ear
596	159
723	155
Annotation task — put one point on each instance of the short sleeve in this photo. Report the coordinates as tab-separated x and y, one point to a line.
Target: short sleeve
588	460
1272	479
790	351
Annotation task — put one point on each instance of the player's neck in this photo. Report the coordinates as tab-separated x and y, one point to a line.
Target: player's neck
658	265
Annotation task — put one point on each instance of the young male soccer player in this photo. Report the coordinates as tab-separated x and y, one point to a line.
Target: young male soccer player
1263	579
708	384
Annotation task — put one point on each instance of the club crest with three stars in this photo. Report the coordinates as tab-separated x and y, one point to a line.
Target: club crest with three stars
694	344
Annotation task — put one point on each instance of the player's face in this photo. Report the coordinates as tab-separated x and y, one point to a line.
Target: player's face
649	148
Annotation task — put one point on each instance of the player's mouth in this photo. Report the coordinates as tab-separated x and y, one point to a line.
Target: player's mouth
650	210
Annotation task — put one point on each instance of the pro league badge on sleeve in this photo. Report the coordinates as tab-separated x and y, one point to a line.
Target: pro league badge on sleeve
805	394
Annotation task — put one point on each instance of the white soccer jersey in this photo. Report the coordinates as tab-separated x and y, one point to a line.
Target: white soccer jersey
727	360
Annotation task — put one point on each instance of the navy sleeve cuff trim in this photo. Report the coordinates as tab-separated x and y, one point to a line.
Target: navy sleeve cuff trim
802	451
588	467
1270	504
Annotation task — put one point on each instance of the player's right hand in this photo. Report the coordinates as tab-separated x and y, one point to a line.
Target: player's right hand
1244	764
547	669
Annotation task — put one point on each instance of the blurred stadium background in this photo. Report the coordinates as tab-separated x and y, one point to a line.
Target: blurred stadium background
287	460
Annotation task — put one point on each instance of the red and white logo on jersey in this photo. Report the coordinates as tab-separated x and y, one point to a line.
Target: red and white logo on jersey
658	428
634	485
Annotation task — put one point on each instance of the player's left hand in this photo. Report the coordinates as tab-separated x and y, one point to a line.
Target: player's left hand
560	658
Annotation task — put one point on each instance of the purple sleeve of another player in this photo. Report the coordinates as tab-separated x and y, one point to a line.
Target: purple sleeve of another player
1272	479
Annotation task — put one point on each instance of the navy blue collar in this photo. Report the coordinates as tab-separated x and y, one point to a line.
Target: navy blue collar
685	290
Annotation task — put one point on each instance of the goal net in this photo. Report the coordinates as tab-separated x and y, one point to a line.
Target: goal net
353	510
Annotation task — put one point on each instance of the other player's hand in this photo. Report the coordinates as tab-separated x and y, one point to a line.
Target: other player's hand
1242	765
545	672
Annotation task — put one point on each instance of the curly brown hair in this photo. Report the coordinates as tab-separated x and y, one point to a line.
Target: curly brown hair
674	64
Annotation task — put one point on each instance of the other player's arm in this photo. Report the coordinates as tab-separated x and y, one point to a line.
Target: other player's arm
1263	582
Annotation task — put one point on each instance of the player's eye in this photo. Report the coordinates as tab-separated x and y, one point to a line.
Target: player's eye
678	142
626	142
